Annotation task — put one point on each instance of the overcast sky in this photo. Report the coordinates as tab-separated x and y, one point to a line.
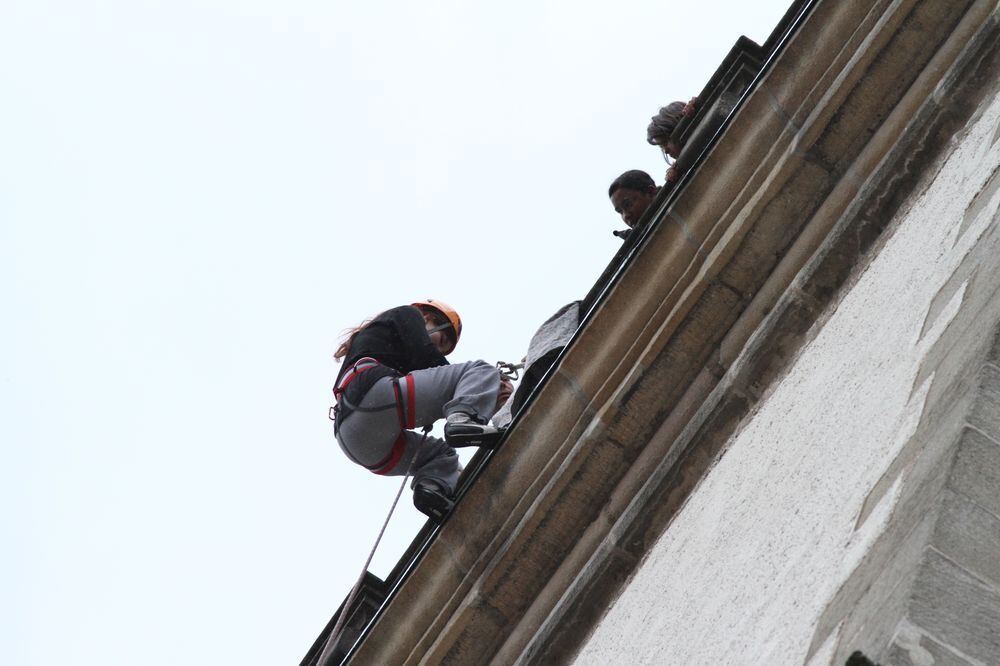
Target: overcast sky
196	198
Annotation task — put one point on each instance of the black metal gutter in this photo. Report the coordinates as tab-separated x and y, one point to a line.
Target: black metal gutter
786	28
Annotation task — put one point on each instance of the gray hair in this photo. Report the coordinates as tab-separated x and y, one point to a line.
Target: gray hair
663	123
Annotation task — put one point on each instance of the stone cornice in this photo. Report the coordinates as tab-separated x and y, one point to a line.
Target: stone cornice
652	386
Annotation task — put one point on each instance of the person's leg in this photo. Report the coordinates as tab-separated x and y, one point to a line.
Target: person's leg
371	437
420	398
476	392
368	433
435	470
435	462
465	393
434	393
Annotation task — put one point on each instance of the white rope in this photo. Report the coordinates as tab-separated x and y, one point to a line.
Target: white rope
331	642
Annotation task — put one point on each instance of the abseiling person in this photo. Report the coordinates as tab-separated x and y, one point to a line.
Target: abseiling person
395	378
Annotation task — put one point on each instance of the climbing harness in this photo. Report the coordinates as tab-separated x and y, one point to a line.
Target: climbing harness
336	413
405	403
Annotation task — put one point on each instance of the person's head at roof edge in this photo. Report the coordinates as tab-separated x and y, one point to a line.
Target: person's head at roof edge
631	194
662	125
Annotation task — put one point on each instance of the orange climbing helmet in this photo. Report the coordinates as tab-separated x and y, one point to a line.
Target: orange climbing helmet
446	311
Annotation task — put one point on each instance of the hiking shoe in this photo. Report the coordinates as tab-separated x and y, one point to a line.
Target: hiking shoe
431	501
461	430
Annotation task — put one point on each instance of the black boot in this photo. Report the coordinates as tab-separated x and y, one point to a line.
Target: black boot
431	501
461	430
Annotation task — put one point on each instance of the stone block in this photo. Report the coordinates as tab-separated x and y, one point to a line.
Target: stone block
960	611
915	648
655	392
970	536
886	79
804	73
871	602
778	224
956	360
976	473
985	414
633	314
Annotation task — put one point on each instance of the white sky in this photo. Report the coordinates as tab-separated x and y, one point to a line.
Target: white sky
196	198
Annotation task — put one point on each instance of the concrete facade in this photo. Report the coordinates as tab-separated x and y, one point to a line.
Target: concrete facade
859	506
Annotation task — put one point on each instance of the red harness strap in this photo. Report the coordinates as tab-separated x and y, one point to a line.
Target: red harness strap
411	401
360	366
389	463
406	410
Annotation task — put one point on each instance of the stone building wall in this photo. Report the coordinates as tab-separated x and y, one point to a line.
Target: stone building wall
857	507
772	439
